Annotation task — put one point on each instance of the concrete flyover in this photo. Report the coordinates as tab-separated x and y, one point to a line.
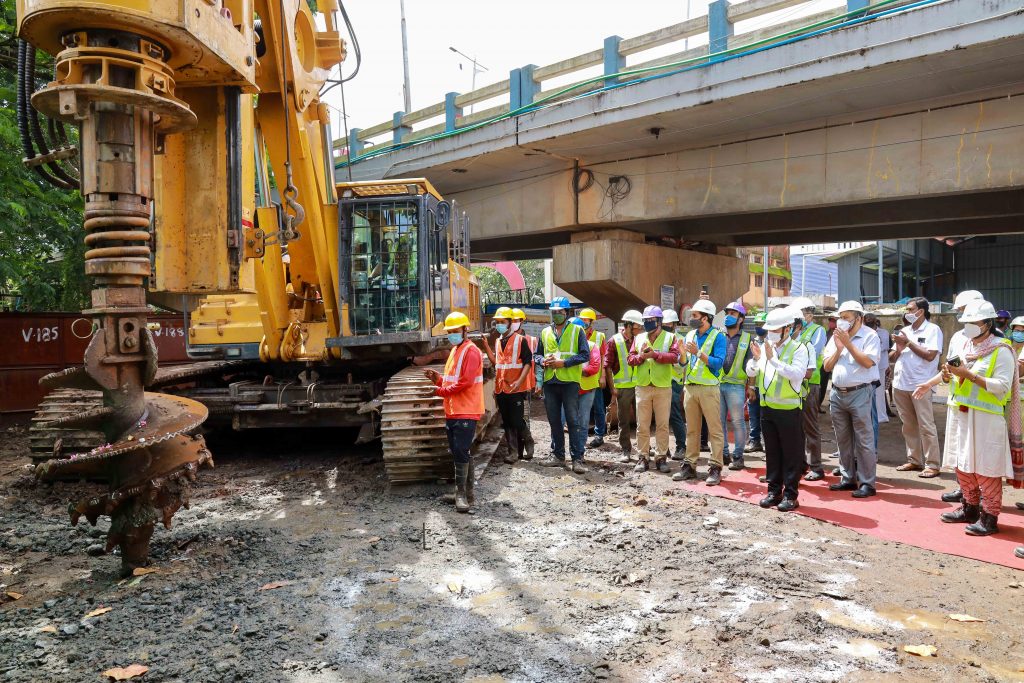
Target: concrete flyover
907	125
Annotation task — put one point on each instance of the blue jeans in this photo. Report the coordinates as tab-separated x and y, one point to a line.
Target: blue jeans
599	413
460	438
754	426
585	407
559	397
733	398
676	421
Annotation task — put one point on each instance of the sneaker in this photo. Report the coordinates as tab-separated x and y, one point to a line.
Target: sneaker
641	466
685	473
627	456
578	468
680	454
814	475
753	447
736	465
596	442
552	462
714	476
661	464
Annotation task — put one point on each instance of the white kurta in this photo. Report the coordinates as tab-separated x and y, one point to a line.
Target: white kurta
978	442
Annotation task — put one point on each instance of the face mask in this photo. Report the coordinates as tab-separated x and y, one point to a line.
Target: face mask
774	337
650	325
843	324
516	326
669	328
911	318
972	330
760	331
731	320
558	317
694	323
502	328
455	338
1017	336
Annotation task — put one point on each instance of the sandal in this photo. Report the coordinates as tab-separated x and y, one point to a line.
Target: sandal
928	473
909	467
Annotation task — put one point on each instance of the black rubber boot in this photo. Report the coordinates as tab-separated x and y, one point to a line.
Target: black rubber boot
512	454
461	474
954	496
471	468
965	514
985	526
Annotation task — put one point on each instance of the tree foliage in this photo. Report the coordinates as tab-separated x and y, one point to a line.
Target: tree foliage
496	290
41	250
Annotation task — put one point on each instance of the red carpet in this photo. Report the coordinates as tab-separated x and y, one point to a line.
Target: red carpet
902	514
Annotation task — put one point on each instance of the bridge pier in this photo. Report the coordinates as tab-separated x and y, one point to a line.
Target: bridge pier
615	270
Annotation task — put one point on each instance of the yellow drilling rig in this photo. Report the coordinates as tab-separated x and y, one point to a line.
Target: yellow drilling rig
204	159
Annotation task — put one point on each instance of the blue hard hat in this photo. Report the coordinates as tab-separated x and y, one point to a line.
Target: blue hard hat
576	320
559	303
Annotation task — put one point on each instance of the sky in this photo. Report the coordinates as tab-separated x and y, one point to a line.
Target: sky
500	35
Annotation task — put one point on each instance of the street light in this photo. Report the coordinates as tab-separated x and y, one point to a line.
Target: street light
477	68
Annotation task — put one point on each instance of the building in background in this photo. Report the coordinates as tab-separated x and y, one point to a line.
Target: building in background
776	277
922	267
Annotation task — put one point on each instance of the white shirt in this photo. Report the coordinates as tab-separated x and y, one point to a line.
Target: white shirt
794	371
912	370
884	346
956	344
848	372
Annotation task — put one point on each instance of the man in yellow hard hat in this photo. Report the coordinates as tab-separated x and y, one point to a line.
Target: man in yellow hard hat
533	383
462	389
513	365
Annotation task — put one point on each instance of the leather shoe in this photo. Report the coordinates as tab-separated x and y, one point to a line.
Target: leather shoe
836	472
844	485
788	505
770	501
814	475
954	496
714	476
864	491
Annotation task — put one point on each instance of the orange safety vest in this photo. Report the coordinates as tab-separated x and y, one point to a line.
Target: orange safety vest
470	401
530	383
507	364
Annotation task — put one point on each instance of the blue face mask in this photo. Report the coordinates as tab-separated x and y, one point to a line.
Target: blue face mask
1017	336
760	331
502	328
650	325
455	338
731	320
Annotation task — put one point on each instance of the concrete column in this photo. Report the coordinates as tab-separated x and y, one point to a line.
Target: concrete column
399	131
354	145
522	87
613	61
719	27
451	111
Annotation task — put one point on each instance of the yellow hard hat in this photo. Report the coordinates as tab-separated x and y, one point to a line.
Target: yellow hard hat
518	314
588	314
455	320
505	313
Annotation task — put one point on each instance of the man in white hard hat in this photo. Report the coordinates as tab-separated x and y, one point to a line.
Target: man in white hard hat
702	399
779	367
852	358
620	376
956	350
814	336
676	422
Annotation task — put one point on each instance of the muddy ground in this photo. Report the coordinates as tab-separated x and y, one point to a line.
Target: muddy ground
557	577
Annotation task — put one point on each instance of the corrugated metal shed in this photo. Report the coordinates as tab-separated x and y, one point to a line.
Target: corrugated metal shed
994	266
813	275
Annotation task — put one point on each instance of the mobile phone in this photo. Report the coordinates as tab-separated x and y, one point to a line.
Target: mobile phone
955	361
705	289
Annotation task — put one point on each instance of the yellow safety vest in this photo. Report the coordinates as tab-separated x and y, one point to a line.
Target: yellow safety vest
650	371
805	338
973	396
564	348
625	378
737	373
780	394
699	372
594	381
679	369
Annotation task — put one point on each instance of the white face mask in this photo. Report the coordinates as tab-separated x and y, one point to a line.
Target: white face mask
972	330
516	326
911	318
775	336
843	324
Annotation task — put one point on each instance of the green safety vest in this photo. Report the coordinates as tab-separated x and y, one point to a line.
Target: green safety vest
699	372
780	394
625	378
679	369
567	347
737	373
650	371
805	338
594	381
971	395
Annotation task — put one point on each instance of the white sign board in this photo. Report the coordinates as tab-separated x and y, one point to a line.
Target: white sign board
668	298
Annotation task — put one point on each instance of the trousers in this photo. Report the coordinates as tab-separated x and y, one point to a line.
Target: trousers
460	438
851	419
559	398
981	490
812	430
703	402
733	398
918	418
652	402
675	417
783	437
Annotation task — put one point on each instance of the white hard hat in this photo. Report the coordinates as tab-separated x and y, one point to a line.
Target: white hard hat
633	316
1019	320
670	316
967	296
851	305
704	306
977	311
802	302
779	318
